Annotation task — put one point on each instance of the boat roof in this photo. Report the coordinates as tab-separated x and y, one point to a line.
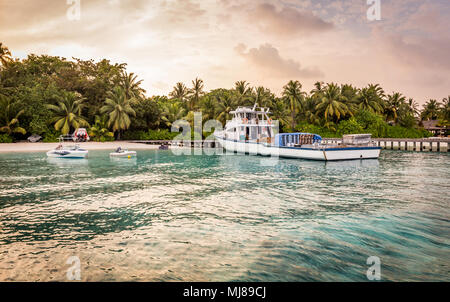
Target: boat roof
250	110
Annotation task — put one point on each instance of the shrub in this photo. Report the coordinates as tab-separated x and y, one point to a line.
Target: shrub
350	126
6	138
51	136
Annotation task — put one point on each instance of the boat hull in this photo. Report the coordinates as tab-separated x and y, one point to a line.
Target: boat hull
324	154
67	154
123	154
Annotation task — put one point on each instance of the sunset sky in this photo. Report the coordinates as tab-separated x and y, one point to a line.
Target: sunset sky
264	42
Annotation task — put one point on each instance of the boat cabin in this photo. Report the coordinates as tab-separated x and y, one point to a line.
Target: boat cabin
296	139
250	124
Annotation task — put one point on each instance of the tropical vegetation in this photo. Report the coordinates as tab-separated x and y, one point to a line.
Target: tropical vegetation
50	96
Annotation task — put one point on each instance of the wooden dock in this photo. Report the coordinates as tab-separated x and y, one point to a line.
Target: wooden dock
419	145
407	144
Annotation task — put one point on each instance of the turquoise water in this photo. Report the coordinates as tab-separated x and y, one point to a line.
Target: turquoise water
163	217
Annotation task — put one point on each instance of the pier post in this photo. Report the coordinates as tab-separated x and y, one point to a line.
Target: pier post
426	146
443	147
434	146
410	146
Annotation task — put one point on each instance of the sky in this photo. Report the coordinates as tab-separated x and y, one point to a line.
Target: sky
266	43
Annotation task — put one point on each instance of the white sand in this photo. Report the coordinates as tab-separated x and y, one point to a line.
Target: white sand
41	147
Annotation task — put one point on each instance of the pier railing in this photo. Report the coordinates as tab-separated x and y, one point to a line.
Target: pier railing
433	144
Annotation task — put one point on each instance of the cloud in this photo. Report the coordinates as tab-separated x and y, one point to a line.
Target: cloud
267	57
287	21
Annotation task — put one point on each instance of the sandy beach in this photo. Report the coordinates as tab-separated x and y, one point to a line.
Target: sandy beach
43	147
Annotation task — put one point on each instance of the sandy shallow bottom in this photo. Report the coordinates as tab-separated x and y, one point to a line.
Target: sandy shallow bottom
36	147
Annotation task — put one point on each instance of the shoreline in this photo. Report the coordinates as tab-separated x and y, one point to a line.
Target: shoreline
44	147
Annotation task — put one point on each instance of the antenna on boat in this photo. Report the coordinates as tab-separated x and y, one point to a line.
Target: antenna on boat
254	107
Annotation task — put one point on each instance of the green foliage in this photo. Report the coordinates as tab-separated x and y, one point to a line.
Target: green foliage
51	136
32	83
350	126
6	138
100	132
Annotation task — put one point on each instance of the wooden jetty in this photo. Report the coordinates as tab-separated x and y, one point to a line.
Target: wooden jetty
433	144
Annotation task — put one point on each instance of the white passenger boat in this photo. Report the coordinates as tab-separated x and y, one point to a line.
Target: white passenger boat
122	153
71	151
251	131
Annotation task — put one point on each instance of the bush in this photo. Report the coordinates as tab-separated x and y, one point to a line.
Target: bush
51	136
350	126
310	128
6	138
402	132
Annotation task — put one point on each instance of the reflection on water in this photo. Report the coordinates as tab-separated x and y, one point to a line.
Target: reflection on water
160	217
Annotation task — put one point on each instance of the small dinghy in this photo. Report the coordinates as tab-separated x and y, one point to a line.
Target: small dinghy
68	152
122	153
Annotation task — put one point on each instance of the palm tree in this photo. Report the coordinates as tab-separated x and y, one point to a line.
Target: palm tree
100	129
368	99
9	117
130	86
208	107
172	112
119	109
431	110
242	91
280	112
309	110
332	104
318	89
446	109
5	55
67	113
263	97
196	92
393	104
180	92
293	94
413	107
225	103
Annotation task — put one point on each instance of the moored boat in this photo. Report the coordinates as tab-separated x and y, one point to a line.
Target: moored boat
252	131
123	153
71	151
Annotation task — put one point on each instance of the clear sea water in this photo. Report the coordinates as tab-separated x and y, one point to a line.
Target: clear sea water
163	217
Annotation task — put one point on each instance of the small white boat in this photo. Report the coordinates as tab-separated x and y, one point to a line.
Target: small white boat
251	131
73	151
123	153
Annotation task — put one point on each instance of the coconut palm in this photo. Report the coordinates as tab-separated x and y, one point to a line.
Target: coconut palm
119	109
242	93
331	106
263	97
446	109
413	106
208	107
179	92
196	92
393	104
100	131
67	113
5	55
130	86
280	112
293	95
318	89
369	99
172	112
9	117
309	110
225	103
431	110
